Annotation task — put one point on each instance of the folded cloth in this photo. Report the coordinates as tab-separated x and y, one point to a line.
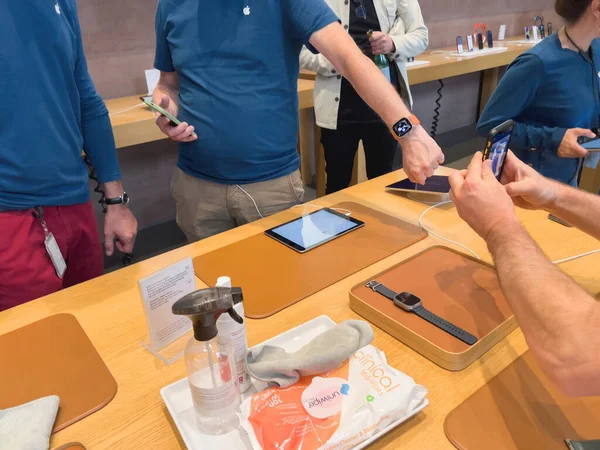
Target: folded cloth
326	352
28	426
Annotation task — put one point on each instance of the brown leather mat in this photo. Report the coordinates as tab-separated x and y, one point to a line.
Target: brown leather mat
274	277
456	287
54	356
521	409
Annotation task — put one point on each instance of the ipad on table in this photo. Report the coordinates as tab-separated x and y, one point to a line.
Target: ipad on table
314	229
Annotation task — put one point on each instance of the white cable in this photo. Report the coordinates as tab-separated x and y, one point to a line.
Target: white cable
249	196
127	109
560	261
442	237
346	212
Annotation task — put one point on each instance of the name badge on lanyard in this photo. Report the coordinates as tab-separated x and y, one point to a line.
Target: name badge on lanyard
51	245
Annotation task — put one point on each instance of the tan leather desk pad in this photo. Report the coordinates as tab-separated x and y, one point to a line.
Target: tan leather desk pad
521	409
54	356
274	276
456	287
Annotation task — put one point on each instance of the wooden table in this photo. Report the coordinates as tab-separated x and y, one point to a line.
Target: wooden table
109	309
136	126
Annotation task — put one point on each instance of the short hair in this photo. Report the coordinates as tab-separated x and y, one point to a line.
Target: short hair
571	10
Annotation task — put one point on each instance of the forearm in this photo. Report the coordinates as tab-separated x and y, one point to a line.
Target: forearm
316	63
558	318
99	146
374	88
113	189
370	83
579	208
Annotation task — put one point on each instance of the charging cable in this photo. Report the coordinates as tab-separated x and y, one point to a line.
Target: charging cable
439	236
125	110
346	212
557	262
250	197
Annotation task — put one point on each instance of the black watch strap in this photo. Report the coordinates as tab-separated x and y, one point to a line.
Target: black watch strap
427	315
381	289
443	324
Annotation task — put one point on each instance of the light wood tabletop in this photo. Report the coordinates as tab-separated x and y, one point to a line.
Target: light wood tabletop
109	309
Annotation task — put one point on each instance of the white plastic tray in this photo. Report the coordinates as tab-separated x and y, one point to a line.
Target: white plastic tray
178	398
477	52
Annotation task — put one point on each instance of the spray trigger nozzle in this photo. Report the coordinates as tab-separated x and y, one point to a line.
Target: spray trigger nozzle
235	316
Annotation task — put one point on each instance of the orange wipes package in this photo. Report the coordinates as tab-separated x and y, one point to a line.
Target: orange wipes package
333	411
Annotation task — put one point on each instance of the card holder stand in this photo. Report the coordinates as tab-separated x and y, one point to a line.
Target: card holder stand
171	353
456	287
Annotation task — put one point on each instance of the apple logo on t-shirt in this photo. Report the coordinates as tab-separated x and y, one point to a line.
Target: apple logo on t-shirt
57	8
246	10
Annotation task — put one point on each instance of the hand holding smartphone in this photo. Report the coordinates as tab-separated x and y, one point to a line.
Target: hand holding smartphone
590	144
177	131
497	146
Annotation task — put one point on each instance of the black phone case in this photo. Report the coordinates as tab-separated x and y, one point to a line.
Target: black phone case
583	445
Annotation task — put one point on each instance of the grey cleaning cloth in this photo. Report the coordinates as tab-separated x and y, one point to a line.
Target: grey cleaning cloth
28	426
326	352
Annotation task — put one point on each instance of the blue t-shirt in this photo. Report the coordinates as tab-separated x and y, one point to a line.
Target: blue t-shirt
238	78
49	109
546	91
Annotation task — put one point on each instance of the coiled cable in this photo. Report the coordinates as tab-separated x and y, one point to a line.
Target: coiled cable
436	112
127	257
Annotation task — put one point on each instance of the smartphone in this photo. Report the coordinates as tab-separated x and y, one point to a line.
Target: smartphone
497	146
459	45
470	42
490	39
553	218
174	120
590	144
480	41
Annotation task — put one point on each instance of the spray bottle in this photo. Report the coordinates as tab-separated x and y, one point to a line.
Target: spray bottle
210	358
237	333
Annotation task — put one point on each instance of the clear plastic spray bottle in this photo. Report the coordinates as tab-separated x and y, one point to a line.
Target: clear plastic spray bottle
210	358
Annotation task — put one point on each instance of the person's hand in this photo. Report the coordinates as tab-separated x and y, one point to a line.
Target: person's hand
420	155
528	188
480	199
570	148
120	223
382	44
180	133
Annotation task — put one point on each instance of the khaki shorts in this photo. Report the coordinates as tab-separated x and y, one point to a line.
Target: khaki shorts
205	208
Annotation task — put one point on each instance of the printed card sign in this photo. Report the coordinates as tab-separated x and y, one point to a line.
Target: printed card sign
159	292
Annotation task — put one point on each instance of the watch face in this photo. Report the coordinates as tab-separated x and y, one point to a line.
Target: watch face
409	300
403	127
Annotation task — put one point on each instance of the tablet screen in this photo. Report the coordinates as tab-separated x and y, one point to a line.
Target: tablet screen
436	184
314	229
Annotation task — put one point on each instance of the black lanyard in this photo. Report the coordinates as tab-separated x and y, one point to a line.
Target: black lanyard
590	59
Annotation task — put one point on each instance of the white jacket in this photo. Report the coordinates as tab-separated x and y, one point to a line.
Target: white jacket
400	19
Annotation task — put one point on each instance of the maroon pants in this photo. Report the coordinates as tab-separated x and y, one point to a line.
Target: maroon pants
26	271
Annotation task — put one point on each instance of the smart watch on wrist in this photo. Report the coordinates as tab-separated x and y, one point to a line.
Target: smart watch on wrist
405	126
123	199
411	303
